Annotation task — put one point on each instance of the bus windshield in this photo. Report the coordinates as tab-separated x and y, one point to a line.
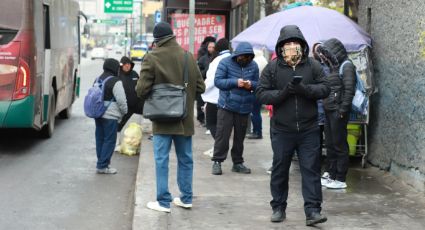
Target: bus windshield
11	14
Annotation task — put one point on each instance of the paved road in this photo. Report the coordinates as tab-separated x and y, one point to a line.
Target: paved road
51	184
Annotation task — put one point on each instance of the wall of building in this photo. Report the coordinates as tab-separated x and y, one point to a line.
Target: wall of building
397	127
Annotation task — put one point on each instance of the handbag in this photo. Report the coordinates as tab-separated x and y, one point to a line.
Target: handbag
167	102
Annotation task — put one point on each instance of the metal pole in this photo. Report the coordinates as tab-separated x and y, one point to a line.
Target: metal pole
192	26
251	12
141	17
346	8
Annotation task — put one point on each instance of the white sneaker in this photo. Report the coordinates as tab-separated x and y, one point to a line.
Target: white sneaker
117	148
107	170
154	205
209	152
208	132
335	184
325	179
179	203
325	182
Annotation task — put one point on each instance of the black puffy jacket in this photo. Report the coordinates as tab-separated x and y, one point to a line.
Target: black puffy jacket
292	112
129	80
342	87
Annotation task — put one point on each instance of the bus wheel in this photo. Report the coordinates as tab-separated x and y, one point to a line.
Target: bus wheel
47	130
66	113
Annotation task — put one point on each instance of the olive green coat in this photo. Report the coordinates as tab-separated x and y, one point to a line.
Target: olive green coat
165	65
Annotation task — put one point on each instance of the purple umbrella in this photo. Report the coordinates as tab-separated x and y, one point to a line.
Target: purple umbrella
316	23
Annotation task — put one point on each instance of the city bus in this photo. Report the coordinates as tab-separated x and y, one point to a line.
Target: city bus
39	62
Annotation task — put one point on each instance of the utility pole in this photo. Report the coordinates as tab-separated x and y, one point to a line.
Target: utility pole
141	18
346	8
191	26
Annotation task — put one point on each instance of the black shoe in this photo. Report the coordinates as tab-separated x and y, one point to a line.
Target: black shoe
278	216
315	218
240	168
254	136
216	168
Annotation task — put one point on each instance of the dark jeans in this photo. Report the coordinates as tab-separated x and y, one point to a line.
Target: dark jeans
336	145
106	137
211	118
257	126
226	121
200	115
307	146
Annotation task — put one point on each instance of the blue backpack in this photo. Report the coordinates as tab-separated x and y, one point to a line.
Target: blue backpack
360	100
94	106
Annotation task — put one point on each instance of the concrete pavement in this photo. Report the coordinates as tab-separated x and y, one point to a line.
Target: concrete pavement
373	200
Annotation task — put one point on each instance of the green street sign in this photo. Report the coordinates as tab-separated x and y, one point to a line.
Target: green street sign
118	6
108	21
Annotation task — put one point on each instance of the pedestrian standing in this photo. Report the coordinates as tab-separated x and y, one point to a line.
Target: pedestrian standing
337	109
257	121
129	79
236	77
294	121
106	126
211	94
165	64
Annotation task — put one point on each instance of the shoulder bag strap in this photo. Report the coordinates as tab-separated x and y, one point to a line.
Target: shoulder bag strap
186	71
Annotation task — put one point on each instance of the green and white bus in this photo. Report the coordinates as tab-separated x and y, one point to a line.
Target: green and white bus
39	62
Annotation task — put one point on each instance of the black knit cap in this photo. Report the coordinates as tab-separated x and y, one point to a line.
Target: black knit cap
161	30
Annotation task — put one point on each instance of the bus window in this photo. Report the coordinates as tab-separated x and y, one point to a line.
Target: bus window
10	19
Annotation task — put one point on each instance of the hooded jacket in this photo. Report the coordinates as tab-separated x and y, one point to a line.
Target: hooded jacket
228	72
165	64
292	112
342	87
114	94
129	81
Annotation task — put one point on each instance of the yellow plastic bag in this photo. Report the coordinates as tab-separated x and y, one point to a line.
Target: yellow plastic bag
132	139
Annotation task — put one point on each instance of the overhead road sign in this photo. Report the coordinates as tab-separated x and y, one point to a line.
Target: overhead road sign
118	6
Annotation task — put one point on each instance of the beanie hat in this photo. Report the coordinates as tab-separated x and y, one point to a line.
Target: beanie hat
162	30
125	60
111	65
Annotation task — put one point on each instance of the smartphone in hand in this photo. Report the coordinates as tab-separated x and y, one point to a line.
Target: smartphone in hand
296	79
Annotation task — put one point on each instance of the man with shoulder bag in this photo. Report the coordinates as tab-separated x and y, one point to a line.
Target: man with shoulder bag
168	66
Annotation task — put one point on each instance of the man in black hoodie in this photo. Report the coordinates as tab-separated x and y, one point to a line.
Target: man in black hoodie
294	121
129	79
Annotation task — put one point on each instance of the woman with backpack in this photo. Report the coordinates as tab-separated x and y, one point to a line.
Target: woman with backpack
337	110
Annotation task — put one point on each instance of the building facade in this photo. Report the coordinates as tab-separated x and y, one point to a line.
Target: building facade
397	141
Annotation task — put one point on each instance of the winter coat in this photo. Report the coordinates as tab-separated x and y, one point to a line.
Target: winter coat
204	63
292	112
129	81
233	98
114	94
212	93
342	87
165	64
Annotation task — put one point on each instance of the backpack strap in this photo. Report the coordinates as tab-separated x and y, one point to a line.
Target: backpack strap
342	67
274	75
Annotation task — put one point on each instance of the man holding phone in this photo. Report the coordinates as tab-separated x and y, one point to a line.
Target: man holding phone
293	83
236	78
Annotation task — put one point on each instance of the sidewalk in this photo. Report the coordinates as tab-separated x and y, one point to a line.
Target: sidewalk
373	200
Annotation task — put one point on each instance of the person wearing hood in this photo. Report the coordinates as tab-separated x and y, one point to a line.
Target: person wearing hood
337	110
106	126
210	96
166	64
129	79
236	78
294	121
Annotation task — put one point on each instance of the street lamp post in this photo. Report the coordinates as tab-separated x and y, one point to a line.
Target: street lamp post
192	26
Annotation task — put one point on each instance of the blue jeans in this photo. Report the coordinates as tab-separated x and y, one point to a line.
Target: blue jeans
183	147
257	126
106	138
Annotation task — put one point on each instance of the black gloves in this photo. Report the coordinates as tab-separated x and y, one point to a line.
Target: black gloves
299	89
